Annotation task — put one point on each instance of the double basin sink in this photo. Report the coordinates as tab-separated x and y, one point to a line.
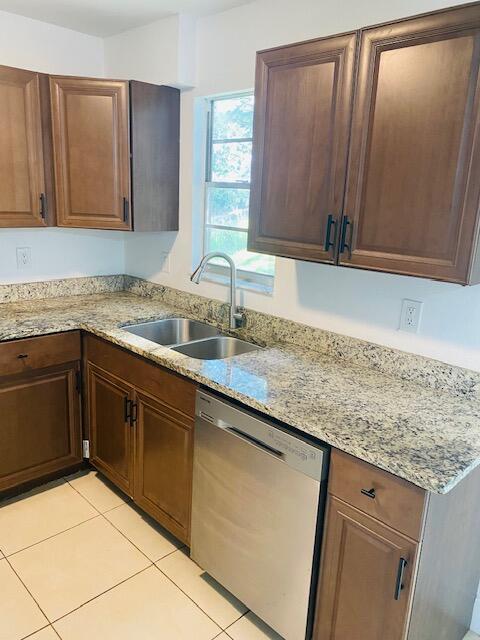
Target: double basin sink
192	338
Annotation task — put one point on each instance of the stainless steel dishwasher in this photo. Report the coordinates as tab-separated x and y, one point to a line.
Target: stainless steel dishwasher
257	512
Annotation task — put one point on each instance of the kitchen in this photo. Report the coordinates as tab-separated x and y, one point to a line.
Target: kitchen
282	447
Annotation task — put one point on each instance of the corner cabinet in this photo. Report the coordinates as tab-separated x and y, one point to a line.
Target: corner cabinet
26	196
40	433
395	564
303	96
412	194
140	426
116	150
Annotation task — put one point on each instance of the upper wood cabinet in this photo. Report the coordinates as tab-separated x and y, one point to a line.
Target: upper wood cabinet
91	151
413	190
303	96
25	146
411	200
116	149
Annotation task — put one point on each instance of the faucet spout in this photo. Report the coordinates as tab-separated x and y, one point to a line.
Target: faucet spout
236	318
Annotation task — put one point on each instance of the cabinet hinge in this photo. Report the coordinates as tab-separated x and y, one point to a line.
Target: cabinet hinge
86	448
78	381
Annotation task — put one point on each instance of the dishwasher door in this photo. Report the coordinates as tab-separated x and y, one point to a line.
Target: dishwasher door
256	493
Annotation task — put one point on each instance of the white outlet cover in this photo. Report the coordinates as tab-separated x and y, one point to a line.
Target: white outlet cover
411	315
24	257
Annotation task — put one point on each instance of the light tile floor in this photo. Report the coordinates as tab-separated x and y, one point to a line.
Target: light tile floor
78	561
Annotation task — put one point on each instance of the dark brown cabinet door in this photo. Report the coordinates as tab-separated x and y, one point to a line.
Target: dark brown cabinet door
91	152
110	403
163	484
22	164
303	97
366	578
413	189
40	424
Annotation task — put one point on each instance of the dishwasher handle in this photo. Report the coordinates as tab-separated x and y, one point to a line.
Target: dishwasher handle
237	433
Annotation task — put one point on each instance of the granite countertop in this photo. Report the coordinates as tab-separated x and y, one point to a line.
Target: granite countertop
427	436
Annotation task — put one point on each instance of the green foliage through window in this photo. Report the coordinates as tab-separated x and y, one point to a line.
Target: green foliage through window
229	158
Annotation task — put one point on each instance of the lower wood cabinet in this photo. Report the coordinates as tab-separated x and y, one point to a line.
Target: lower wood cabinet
40	431
140	420
367	577
397	563
111	433
163	478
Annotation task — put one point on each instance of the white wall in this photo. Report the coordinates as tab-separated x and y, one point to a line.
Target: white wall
358	303
160	52
56	253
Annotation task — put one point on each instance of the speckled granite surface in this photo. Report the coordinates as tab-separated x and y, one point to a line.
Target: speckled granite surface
422	424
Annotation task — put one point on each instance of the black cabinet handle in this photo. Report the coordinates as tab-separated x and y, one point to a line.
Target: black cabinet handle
127	404
21	356
346	223
370	493
126	209
331	224
43	206
133	417
399	583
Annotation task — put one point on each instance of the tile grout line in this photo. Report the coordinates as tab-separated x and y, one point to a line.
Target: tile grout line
183	546
91	503
54	535
65	615
195	603
48	626
30	593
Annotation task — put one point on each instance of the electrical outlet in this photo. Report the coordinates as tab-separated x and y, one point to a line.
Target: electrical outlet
24	257
165	265
411	316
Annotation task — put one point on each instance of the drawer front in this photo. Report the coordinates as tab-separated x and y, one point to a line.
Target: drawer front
20	356
393	501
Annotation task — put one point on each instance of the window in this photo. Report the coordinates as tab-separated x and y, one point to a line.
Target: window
227	188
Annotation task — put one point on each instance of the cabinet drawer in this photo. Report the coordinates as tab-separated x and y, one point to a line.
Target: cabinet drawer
391	500
19	356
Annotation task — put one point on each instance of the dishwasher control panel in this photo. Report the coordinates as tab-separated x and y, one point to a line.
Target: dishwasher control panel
306	457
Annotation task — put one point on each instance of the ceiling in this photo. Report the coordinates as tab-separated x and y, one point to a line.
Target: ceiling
107	17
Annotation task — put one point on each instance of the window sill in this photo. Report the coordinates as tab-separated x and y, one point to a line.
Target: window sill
242	283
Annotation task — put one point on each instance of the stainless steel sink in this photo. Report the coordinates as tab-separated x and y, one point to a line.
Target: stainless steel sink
216	348
172	331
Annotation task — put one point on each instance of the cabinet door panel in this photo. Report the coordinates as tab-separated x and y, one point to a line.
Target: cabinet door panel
302	117
111	437
164	452
22	168
91	149
361	562
411	194
40	425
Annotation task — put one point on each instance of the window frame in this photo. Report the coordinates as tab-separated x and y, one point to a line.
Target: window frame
260	282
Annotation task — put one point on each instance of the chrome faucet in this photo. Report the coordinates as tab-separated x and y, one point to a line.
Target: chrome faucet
236	318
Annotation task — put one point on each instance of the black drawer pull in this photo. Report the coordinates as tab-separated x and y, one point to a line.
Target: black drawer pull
21	356
370	493
399	583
